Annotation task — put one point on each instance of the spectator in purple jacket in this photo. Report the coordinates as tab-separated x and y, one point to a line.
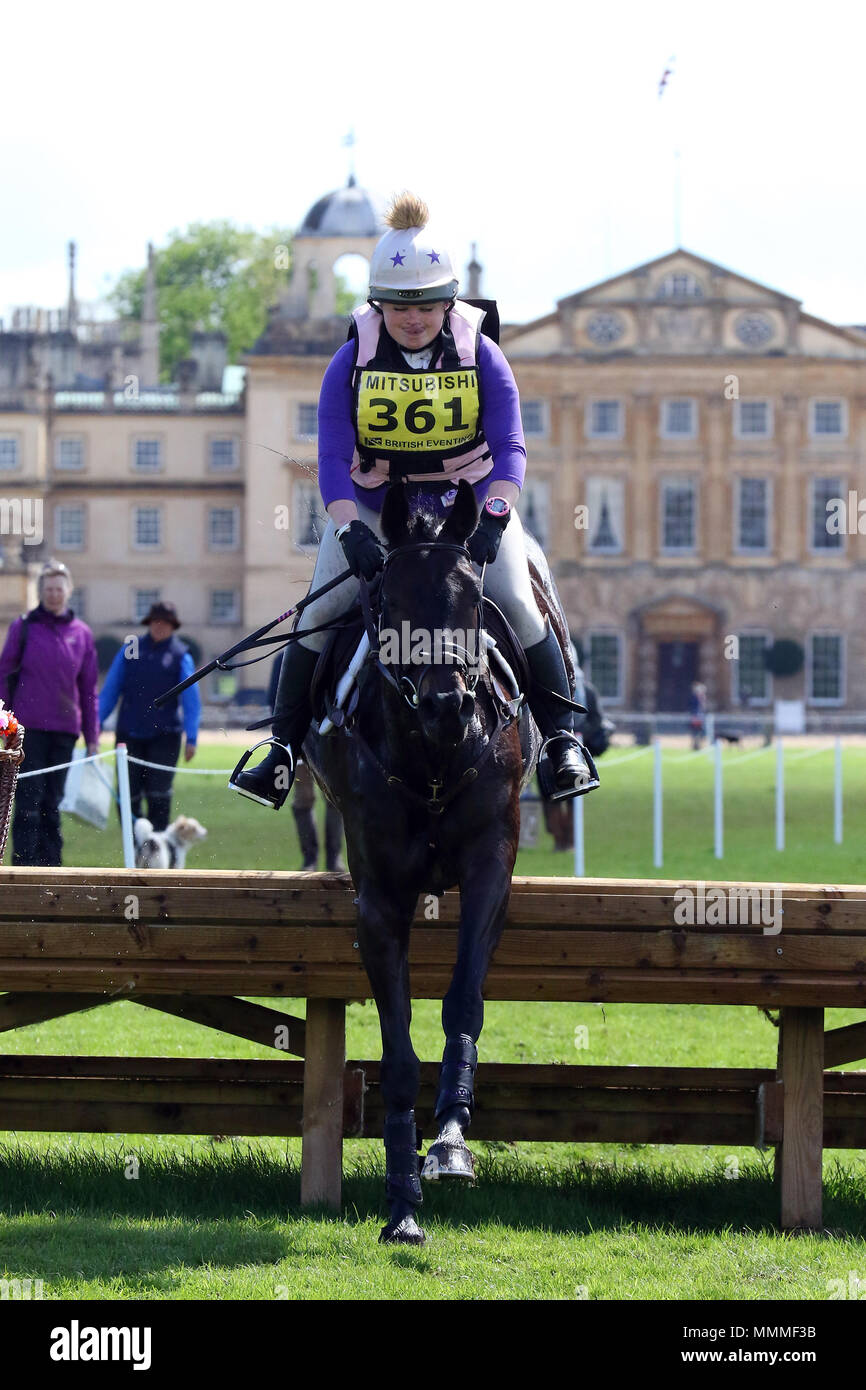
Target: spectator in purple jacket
50	657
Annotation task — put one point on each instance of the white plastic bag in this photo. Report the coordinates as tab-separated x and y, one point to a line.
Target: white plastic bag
88	793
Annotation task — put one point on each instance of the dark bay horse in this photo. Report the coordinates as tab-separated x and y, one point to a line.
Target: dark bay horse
427	772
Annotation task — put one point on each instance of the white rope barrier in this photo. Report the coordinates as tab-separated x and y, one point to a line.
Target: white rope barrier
199	771
40	771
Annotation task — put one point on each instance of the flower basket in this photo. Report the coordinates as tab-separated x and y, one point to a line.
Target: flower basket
11	758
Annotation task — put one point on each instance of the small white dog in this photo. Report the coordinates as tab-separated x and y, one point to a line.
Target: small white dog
165	849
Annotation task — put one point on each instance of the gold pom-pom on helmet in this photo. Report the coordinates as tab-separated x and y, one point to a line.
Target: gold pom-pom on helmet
410	263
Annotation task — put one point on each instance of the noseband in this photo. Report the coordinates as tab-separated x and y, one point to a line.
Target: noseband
458	656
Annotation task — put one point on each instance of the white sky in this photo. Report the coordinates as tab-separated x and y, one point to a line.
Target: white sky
542	138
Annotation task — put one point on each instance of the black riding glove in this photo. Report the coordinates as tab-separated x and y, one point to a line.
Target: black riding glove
363	550
483	544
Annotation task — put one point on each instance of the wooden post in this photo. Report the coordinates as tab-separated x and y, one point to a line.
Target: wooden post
322	1151
799	1156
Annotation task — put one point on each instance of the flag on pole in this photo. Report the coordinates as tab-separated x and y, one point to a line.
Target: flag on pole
666	76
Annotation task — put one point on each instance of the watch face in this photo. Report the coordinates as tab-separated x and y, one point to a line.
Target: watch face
497	506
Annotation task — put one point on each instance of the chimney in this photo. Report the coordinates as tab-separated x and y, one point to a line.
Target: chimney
72	305
474	268
149	349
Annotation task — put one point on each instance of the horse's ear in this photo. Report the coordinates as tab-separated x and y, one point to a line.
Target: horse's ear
395	515
463	516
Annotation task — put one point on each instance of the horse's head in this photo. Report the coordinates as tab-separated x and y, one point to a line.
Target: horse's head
430	611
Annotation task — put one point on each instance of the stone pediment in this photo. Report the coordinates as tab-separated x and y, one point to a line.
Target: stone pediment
682	304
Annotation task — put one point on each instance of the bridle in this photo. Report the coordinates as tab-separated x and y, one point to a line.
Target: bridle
447	653
409	690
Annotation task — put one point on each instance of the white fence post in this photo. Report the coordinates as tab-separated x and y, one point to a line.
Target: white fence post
658	852
719	810
579	863
837	793
780	795
121	758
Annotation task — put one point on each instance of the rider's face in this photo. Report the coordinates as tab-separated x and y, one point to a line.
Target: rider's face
413	326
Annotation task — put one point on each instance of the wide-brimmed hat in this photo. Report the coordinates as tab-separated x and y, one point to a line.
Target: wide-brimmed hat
162	613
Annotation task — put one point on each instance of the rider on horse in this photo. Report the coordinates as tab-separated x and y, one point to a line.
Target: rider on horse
419	395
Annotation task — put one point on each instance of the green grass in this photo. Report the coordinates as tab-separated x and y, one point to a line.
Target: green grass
216	1220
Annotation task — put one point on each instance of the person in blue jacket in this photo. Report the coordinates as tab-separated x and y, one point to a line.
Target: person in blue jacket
139	673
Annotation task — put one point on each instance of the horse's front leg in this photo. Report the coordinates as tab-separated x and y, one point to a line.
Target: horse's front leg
384	922
484	889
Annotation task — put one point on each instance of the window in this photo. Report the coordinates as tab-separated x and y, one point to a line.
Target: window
223	528
309	516
750	677
825	680
752	526
604	420
69	451
69	528
679	286
678	419
147	455
605	664
753	420
534	417
827	534
308	420
78	603
534	507
9	452
605	505
146	528
679	497
142	602
224	606
828	419
222	455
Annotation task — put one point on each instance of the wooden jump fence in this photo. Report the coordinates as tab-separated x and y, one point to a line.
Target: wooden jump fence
198	944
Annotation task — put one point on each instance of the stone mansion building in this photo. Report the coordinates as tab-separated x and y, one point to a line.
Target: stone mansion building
696	446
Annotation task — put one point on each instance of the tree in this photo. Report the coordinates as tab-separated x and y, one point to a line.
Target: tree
212	277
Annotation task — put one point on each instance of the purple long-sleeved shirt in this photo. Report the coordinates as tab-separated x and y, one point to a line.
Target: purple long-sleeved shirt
500	420
56	687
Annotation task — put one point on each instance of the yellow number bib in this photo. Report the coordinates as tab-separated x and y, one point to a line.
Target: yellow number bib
421	412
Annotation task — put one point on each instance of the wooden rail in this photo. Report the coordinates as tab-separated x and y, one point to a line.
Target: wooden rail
190	944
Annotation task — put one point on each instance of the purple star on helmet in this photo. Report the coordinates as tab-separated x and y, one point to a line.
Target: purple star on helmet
434	257
397	260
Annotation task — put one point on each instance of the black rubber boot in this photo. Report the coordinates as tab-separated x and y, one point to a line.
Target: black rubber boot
565	767
271	782
309	840
457	1074
402	1184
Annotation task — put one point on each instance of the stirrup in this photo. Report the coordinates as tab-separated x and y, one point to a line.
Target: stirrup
279	795
583	783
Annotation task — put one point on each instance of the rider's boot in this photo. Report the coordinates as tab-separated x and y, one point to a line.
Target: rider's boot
271	782
565	767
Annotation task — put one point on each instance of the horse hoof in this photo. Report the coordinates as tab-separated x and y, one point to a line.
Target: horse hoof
449	1161
404	1232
